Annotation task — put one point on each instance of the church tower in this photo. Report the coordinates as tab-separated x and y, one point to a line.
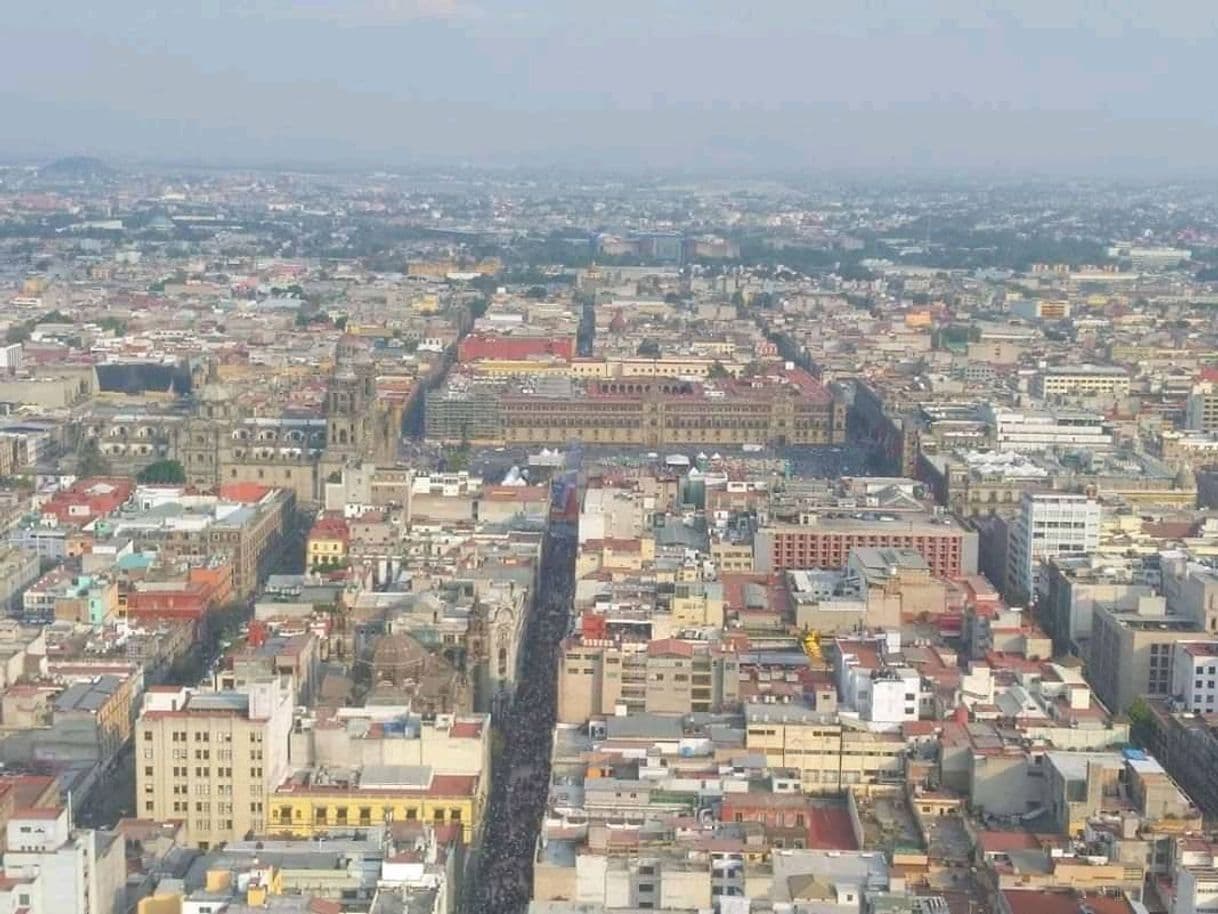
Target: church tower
359	427
200	438
350	404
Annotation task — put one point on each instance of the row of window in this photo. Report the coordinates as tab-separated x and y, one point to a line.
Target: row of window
203	736
363	814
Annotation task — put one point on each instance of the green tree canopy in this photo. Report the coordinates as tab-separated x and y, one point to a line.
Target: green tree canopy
91	461
162	472
119	328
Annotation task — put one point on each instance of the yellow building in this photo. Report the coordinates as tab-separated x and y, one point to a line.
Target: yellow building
829	756
160	903
505	368
732	557
425	304
210	759
318	801
698	604
615	555
328	542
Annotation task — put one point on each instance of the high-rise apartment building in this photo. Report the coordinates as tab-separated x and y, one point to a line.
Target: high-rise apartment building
1130	652
1048	524
1201	413
212	758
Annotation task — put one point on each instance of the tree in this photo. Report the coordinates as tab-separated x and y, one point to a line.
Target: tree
716	370
1141	722
648	349
457	459
162	473
305	318
90	461
113	324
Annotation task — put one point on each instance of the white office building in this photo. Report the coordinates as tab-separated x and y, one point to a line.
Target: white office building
11	358
1194	676
873	685
1048	524
56	868
1016	430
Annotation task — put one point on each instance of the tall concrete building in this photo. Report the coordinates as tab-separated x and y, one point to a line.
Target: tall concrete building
1130	654
212	759
662	677
1201	412
1076	584
1048	524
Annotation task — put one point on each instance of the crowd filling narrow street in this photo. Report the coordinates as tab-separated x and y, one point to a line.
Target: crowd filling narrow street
522	764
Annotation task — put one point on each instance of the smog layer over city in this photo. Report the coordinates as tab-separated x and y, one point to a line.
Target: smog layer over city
485	457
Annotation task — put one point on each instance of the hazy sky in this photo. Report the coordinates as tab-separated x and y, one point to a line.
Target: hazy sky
1080	85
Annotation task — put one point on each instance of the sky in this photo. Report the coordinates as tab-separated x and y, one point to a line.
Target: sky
1078	86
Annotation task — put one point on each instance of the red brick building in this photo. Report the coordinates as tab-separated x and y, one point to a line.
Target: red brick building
825	542
176	601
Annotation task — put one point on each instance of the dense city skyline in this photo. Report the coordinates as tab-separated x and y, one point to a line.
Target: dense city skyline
671	457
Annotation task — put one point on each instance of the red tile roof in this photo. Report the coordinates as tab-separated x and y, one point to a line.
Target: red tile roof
248	493
670	647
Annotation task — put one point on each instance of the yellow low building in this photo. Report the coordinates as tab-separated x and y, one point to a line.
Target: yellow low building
328	542
318	802
504	368
615	555
698	604
426	304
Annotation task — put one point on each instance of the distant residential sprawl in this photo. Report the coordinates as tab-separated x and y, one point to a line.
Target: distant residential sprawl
448	542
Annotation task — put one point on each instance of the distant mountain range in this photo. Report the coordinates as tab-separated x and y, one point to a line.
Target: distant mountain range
76	168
